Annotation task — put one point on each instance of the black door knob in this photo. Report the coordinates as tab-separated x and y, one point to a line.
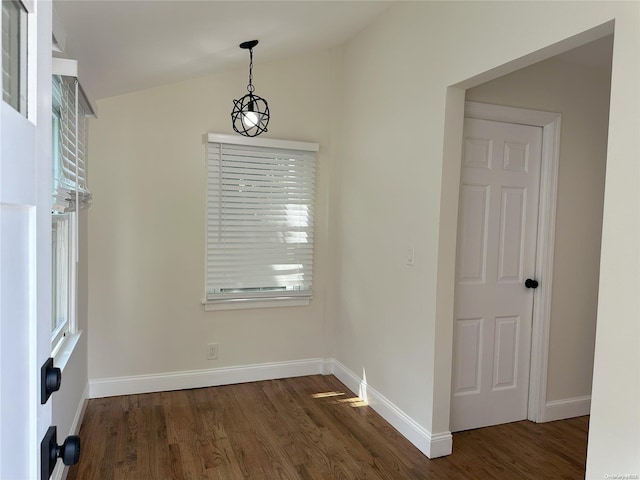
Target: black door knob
69	451
530	283
51	377
50	451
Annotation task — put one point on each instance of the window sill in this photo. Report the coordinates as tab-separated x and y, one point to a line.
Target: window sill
245	303
64	350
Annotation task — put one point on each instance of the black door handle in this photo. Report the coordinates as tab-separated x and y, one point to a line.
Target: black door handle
50	380
530	283
50	451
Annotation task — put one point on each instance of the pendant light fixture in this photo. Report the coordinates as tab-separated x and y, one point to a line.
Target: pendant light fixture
250	114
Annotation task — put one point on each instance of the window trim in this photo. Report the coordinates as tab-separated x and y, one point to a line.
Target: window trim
246	303
261	142
254	300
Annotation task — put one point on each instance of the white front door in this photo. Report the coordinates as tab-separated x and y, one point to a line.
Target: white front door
496	252
25	235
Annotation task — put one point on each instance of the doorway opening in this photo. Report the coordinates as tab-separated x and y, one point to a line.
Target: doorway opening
575	84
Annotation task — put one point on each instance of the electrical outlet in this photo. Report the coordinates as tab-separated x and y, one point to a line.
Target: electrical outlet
212	351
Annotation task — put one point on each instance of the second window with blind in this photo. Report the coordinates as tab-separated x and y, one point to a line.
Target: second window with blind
69	194
259	229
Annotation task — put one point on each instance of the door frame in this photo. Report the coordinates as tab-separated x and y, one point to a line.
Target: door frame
550	123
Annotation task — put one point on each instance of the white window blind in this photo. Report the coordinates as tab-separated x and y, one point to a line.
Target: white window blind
70	146
260	203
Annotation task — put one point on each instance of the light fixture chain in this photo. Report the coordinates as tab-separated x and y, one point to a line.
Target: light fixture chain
250	87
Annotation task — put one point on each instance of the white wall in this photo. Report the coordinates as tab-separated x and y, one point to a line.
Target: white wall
581	94
394	321
390	128
146	225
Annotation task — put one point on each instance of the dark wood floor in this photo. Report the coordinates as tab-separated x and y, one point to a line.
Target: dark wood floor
302	428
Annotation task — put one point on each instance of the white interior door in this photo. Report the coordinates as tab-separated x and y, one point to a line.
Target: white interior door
25	236
496	252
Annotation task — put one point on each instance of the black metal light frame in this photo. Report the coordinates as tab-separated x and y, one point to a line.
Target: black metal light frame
250	114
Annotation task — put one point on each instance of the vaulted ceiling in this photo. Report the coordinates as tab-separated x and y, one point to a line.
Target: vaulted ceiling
128	45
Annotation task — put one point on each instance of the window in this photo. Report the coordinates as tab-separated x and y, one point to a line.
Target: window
14	54
63	281
70	145
260	202
70	193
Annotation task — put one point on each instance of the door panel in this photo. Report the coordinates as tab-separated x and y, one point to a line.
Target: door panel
473	230
512	225
468	352
16	255
495	253
505	359
25	238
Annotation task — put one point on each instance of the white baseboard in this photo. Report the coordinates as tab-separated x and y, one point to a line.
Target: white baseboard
566	408
82	407
60	471
109	387
432	445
